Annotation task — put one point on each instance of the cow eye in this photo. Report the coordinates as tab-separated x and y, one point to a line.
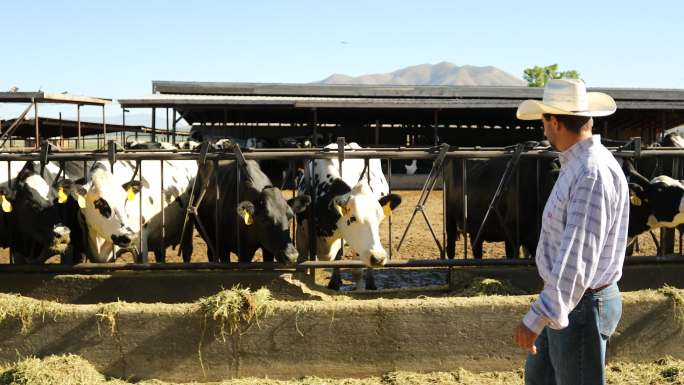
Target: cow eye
352	219
103	207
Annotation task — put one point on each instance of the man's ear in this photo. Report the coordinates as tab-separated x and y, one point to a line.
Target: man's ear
246	212
389	203
300	203
132	189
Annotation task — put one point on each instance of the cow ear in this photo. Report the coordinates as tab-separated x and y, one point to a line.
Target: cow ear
4	201
340	204
389	203
246	211
636	194
132	188
300	203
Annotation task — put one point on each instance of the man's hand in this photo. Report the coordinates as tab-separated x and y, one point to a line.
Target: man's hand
525	338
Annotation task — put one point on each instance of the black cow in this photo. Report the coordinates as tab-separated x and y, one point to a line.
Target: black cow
262	215
44	220
482	179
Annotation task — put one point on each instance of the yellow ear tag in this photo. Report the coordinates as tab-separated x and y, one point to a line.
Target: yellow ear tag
387	209
247	218
6	205
81	200
340	210
61	196
635	200
130	194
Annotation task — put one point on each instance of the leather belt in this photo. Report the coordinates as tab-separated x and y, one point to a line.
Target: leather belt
591	291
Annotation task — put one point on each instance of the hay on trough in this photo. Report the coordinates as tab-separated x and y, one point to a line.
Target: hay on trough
109	313
479	286
25	310
676	296
233	308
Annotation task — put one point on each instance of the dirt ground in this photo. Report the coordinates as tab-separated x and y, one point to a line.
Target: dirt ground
419	242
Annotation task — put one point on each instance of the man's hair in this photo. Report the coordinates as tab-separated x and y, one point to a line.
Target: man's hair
573	123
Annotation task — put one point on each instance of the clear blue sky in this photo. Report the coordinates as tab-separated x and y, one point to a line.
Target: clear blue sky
116	48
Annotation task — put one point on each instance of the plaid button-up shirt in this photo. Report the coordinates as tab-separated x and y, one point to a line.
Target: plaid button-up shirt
583	235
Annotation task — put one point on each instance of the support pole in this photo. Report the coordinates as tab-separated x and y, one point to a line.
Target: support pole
36	124
79	141
154	125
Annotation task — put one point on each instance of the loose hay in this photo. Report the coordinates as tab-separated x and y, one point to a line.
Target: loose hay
676	296
233	308
109	313
25	310
479	286
67	369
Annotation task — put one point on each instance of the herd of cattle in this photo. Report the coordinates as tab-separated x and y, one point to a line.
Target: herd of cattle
94	211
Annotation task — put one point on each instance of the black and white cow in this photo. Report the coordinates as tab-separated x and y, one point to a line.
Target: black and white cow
42	219
112	212
350	206
262	216
519	206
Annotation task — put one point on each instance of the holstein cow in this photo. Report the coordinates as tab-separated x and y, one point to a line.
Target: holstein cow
347	207
260	214
482	179
42	220
113	207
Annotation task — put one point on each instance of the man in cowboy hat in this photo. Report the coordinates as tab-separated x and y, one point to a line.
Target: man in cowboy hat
581	246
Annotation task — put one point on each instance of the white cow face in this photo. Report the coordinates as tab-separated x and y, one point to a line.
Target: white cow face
106	212
359	223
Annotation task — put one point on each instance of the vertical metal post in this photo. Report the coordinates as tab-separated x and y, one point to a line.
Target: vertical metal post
517	209
123	127
389	223
218	208
167	124
444	217
163	215
237	203
315	126
143	256
340	160
36	124
173	136
104	126
154	124
79	141
464	177
61	131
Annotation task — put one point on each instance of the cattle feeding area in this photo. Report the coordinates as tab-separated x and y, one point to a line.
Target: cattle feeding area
253	280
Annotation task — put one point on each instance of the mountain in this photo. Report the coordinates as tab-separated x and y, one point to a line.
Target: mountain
443	73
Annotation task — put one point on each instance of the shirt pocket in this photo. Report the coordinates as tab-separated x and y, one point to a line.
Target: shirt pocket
555	210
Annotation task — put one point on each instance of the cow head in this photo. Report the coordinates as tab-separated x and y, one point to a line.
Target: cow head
106	211
42	214
665	199
360	214
269	215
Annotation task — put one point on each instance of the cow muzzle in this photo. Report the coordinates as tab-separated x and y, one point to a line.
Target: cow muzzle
121	240
378	257
61	236
290	254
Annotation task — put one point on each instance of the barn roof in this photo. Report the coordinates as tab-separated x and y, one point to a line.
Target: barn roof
46	97
639	109
51	128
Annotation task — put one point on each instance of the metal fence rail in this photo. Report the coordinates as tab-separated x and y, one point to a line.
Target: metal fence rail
114	154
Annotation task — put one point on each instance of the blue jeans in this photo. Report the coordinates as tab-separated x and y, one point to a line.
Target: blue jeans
576	355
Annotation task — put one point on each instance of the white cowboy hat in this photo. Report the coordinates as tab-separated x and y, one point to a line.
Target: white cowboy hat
567	97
